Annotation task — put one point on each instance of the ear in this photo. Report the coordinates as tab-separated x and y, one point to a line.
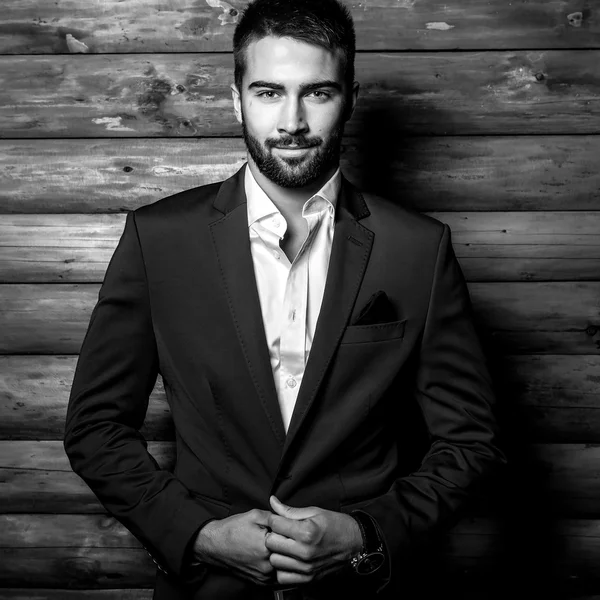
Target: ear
353	97
237	102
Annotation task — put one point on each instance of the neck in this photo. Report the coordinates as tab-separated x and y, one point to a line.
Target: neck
289	201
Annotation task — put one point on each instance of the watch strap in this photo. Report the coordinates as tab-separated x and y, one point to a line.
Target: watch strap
371	540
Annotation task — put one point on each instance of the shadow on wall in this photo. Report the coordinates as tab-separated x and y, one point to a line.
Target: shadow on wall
524	561
383	157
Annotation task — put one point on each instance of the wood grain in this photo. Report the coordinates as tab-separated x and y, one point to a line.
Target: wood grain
543	398
36	476
483	593
500	246
469	541
432	173
184	26
514	317
34	392
82	594
162	95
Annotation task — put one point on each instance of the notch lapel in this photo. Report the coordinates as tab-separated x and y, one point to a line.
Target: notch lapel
232	246
350	253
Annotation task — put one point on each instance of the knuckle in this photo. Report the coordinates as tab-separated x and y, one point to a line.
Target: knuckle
306	553
265	568
307	535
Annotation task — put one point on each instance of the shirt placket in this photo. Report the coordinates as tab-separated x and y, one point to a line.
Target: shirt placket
293	329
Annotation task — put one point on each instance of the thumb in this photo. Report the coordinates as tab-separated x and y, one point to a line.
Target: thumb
283	510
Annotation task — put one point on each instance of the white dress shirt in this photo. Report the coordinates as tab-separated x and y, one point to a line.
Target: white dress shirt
290	293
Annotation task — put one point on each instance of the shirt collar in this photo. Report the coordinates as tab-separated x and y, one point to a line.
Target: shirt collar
260	205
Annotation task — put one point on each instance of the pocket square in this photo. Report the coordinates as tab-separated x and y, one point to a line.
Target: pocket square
378	309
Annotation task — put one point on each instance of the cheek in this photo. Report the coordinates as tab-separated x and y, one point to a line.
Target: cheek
326	121
259	117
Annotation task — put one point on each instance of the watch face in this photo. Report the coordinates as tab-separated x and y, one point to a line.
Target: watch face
370	563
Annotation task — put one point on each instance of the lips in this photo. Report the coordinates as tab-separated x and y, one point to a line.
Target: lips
294	147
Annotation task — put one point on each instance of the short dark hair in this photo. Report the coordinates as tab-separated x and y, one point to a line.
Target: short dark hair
325	23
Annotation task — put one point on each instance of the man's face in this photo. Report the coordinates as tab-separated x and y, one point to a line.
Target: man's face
293	106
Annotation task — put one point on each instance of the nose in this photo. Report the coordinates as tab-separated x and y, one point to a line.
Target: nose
292	119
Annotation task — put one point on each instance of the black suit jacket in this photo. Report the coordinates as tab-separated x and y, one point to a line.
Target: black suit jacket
179	298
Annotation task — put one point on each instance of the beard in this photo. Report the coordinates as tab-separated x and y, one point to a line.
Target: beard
295	172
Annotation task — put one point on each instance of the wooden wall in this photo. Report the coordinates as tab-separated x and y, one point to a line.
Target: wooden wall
484	114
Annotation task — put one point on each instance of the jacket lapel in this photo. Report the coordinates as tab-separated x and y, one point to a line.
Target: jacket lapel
232	246
349	257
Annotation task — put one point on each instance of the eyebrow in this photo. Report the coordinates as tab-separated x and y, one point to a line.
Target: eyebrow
307	87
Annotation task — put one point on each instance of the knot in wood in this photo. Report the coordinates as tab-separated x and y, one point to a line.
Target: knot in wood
591	330
575	19
127	169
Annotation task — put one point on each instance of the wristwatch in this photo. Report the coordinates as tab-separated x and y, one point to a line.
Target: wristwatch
371	556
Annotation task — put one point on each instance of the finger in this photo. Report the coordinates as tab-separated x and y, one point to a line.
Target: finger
290	578
280	544
286	563
297	530
290	512
259	517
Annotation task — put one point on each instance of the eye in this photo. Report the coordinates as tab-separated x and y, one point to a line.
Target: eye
267	94
320	95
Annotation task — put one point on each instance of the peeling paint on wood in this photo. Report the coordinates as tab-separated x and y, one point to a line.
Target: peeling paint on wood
111	26
112	124
439	26
75	46
475	93
229	14
575	19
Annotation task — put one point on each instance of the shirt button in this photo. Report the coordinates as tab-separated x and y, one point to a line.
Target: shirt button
291	382
276	223
276	255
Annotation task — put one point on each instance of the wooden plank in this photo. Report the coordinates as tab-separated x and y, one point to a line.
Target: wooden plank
34	393
543	398
179	26
549	398
538	318
551	381
483	593
442	174
514	317
162	95
56	248
499	246
24	593
36	476
526	246
77	567
36	549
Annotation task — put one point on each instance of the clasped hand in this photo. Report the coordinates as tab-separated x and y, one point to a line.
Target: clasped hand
289	545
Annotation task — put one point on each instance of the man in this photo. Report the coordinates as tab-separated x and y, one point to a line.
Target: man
305	333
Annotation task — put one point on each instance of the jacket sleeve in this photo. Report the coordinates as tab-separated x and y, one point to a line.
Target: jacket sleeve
115	373
454	392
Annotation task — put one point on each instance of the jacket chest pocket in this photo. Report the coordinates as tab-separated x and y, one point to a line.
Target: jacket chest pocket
378	332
